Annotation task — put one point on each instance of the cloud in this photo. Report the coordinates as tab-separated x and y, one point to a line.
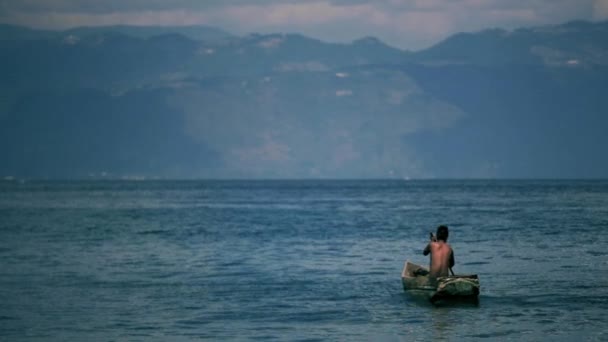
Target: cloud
410	24
600	10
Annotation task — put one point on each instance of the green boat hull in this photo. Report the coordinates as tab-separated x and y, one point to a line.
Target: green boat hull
457	287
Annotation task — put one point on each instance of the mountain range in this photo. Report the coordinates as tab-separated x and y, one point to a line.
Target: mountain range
198	102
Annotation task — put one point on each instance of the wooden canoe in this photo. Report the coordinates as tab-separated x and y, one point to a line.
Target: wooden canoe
451	287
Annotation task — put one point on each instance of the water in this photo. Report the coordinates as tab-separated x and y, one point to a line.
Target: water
298	260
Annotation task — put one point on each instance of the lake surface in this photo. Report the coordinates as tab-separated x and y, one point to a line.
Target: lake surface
298	260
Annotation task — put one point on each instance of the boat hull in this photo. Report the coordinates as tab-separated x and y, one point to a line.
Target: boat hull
458	287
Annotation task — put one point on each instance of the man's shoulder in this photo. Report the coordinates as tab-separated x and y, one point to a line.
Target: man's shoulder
443	245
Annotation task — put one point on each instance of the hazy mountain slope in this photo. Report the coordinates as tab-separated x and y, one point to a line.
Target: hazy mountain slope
87	132
522	121
128	102
571	44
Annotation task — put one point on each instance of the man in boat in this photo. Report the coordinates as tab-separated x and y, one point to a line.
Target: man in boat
442	256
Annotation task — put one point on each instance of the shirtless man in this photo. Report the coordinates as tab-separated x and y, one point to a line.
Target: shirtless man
442	256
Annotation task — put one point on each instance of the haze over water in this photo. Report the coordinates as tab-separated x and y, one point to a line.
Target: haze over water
298	260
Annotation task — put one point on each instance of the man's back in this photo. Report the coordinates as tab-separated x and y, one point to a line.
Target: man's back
442	258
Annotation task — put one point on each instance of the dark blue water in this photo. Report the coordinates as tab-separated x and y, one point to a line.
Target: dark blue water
298	260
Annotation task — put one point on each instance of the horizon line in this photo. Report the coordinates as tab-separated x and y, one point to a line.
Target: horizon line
295	179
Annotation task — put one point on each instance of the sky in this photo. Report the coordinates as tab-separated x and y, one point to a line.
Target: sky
407	24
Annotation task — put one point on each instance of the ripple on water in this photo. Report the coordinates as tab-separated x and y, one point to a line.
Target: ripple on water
500	333
258	260
473	263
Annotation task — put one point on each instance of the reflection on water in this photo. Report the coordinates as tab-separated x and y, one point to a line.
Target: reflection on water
440	324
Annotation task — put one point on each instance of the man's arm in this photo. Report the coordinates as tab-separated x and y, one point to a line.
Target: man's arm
452	262
427	249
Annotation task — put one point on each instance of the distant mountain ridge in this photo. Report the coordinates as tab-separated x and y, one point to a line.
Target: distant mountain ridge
576	42
197	102
195	32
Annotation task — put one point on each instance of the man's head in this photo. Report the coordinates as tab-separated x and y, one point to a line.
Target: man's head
442	233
